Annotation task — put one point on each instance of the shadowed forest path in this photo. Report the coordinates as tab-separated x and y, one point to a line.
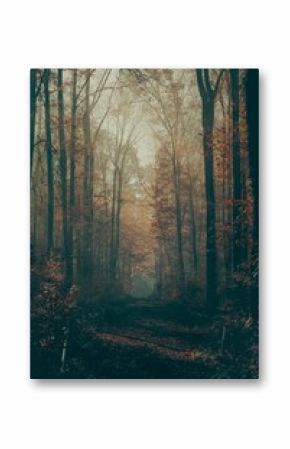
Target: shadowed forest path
142	339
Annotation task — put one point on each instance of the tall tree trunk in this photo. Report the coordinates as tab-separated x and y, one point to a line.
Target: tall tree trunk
118	216
208	94
192	226
88	193
211	279
229	183
35	182
252	105
224	189
113	226
49	158
63	173
32	115
224	234
104	228
181	275
72	175
237	184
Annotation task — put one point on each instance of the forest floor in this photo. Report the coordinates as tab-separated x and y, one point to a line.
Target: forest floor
149	339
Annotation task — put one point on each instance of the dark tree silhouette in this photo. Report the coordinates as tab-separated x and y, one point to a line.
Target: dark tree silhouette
237	213
208	94
49	159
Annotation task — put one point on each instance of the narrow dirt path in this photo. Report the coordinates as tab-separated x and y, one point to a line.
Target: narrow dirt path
150	340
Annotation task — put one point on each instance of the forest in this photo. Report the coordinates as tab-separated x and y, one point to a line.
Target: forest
144	223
